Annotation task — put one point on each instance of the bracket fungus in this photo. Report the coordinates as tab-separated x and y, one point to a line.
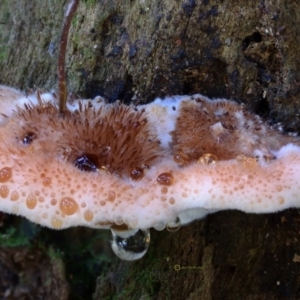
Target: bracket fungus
130	168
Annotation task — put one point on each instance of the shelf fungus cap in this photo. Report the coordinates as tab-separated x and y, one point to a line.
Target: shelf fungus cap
120	167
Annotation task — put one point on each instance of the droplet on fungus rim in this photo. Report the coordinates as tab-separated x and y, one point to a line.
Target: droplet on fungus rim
137	173
172	200
68	206
31	201
4	191
166	178
247	162
47	181
56	223
111	196
174	226
5	174
53	202
178	159
119	220
280	200
207	159
159	226
14	196
164	190
88	215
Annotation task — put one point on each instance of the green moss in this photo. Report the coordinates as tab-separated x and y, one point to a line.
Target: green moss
144	281
12	237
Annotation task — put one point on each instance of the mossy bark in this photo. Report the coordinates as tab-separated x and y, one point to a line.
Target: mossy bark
138	50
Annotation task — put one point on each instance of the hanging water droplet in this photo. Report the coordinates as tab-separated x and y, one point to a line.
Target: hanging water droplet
159	226
130	244
174	226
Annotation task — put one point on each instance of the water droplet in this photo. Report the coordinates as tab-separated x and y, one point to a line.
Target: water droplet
53	202
281	200
41	199
31	201
88	216
164	190
111	196
119	220
14	196
47	181
137	174
174	226
87	162
172	200
165	179
159	226
56	223
68	206
178	159
28	138
5	174
248	162
131	244
4	191
207	159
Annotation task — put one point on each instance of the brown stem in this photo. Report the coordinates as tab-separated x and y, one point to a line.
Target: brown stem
62	86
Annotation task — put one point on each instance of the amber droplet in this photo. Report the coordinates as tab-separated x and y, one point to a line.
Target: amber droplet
164	190
4	191
5	174
47	181
137	174
68	206
14	196
207	159
53	202
56	223
31	201
89	216
248	162
281	200
172	200
111	196
178	159
165	178
41	199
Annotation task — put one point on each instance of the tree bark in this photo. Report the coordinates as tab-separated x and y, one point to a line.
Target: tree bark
135	51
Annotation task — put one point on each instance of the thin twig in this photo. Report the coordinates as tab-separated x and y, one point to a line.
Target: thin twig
62	86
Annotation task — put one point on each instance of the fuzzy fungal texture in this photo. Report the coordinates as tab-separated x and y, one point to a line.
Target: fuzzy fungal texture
115	166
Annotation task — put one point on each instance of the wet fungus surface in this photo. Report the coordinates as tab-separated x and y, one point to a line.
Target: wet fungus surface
157	165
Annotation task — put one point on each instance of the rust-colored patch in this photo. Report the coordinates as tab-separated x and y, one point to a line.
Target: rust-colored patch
222	128
116	139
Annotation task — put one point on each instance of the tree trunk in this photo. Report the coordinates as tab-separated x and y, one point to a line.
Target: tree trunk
135	51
